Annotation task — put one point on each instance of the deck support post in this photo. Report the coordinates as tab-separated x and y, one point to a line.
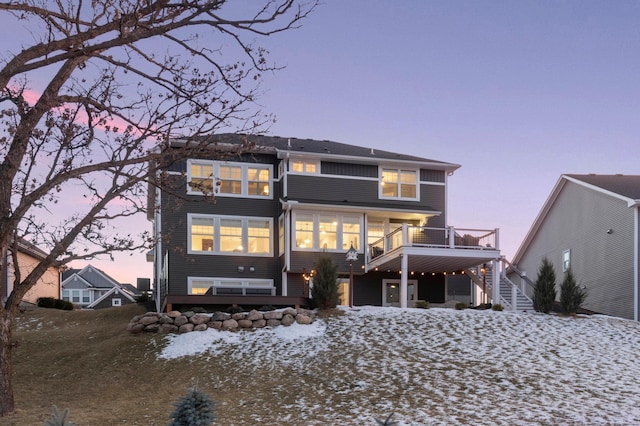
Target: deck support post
495	280
404	275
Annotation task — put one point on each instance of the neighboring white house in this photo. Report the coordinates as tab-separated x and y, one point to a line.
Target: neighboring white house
591	224
92	288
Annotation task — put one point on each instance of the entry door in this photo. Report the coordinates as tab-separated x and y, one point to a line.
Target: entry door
391	293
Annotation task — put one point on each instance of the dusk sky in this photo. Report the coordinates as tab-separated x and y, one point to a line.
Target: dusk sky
517	92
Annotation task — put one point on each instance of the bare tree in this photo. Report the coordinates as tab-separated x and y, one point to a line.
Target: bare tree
93	102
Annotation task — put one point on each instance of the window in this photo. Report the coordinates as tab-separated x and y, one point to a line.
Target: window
332	232
230	235
259	236
281	235
201	177
304	231
401	184
566	260
350	232
86	297
231	179
257	181
328	232
244	287
66	296
202	234
116	302
304	166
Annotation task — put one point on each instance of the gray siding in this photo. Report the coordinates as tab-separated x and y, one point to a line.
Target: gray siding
431	175
578	221
356	192
362	170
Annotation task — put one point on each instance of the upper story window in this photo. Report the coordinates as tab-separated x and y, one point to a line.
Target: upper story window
304	166
399	184
331	232
230	235
230	179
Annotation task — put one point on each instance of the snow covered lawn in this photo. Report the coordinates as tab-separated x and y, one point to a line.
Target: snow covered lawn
429	367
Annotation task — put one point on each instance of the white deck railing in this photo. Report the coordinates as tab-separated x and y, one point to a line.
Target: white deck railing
421	236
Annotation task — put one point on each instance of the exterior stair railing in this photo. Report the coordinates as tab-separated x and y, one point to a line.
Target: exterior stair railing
512	294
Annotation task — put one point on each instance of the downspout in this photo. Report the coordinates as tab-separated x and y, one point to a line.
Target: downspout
158	259
636	264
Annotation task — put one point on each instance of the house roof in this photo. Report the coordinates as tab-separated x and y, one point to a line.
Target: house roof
283	145
93	276
623	187
627	186
131	289
111	293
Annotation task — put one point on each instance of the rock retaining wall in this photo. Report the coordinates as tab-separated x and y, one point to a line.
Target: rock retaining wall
179	322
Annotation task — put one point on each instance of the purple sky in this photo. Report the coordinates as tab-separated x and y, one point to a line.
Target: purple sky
517	92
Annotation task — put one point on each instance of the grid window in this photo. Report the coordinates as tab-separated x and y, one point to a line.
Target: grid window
231	236
350	232
304	231
401	184
201	177
202	234
566	260
259	236
258	181
230	180
328	232
301	166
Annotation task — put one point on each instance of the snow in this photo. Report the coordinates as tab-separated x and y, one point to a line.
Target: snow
442	366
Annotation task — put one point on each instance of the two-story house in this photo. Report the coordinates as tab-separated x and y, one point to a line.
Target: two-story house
279	206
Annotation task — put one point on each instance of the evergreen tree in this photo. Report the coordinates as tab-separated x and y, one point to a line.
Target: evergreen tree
544	291
571	295
324	293
194	409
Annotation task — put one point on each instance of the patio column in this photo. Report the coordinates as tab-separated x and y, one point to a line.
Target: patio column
404	260
495	279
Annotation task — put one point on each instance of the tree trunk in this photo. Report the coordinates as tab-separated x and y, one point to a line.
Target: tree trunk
7	403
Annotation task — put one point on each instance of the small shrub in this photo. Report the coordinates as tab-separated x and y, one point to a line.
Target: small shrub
387	421
58	419
143	298
422	304
194	409
325	292
497	307
267	308
544	291
461	305
47	302
571	295
234	309
51	303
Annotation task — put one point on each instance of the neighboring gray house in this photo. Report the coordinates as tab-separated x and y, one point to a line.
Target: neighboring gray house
278	207
92	288
590	223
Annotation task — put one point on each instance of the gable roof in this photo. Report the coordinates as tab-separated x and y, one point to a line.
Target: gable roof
623	187
626	187
113	292
93	276
282	146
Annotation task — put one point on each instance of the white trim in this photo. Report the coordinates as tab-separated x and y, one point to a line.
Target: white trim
565	268
394	212
245	283
386	281
244	178
425	164
399	197
244	220
316	231
115	290
630	201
